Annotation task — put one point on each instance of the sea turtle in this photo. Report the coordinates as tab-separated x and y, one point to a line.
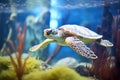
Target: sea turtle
74	36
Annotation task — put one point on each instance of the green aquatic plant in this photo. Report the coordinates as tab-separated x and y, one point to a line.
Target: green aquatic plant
57	73
4	63
7	71
8	75
32	64
17	64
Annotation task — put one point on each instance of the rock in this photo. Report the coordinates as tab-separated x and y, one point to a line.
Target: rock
89	65
44	66
82	68
68	61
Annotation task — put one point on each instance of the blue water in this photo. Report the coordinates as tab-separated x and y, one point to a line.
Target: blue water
59	12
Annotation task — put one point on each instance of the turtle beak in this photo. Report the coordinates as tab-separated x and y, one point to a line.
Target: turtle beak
45	33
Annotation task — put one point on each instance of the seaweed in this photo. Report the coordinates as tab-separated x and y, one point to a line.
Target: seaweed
116	36
107	67
7	71
103	66
17	64
57	73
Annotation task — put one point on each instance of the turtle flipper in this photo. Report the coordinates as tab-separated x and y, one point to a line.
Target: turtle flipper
41	45
80	47
106	43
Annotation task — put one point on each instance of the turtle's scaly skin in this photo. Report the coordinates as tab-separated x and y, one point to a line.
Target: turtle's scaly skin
41	45
80	47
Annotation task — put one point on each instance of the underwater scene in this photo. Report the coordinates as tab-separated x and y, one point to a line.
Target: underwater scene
59	39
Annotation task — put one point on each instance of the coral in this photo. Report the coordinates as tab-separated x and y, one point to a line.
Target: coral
57	73
116	35
107	67
102	72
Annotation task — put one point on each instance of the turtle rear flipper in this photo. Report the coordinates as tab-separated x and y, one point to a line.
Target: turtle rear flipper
106	43
80	47
41	45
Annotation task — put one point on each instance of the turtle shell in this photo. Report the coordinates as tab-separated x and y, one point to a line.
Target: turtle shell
80	31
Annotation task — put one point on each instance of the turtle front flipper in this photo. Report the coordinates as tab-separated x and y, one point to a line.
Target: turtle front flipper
80	47
41	45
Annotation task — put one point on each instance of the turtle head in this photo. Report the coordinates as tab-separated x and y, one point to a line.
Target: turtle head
50	33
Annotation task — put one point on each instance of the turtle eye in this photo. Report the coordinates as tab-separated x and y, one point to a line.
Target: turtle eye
49	32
